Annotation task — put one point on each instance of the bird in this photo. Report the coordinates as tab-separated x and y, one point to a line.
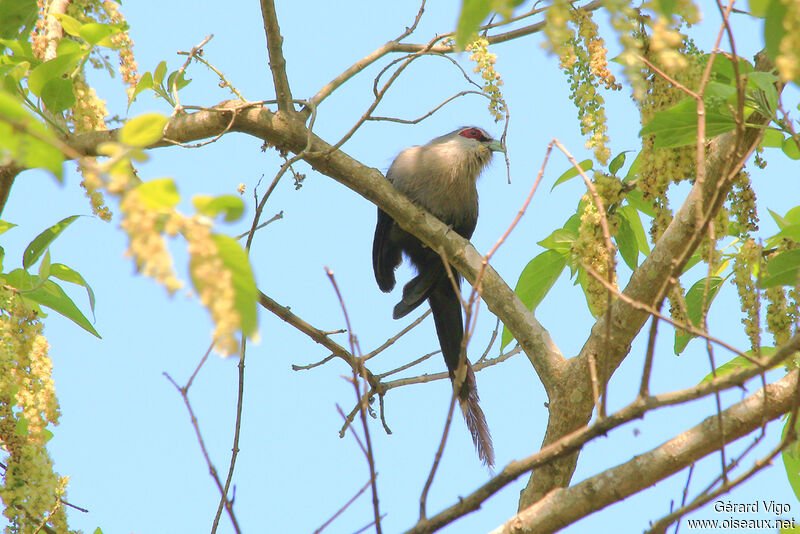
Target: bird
440	177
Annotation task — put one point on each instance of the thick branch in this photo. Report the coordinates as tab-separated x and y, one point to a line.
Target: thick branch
575	440
566	505
277	63
287	134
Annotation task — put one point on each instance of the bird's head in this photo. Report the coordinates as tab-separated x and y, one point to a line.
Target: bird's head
467	150
472	136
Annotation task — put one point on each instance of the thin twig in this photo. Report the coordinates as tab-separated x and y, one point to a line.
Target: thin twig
274	218
599	405
362	401
199	365
408	365
439	450
397	336
211	469
345	506
644	388
196	50
236	432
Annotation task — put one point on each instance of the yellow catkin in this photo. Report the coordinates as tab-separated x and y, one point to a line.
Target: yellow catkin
30	489
749	255
583	58
590	247
491	78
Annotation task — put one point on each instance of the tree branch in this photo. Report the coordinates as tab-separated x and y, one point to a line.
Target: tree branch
277	63
566	445
563	506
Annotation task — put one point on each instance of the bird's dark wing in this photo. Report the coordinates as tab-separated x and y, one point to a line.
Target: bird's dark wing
418	289
386	254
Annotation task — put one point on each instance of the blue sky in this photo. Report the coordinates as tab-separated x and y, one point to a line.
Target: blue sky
125	438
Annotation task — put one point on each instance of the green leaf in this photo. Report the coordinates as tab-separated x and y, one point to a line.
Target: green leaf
62	272
39	245
793	215
636	200
773	27
617	163
19	279
180	83
633	171
52	70
68	46
97	531
573	172
159	73
21	426
739	362
780	221
231	206
694	307
723	68
560	240
631	215
44	267
16	73
71	25
57	95
758	8
677	126
716	91
765	82
627	245
96	33
535	282
51	295
790	232
27	150
16	15
21	49
697	257
143	130
473	12
790	148
666	7
782	269
146	82
6	226
159	193
791	459
772	138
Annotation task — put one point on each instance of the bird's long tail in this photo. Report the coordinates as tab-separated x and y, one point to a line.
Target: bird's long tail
476	422
450	330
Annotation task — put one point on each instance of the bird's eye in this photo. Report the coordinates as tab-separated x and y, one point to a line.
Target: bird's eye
473	133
